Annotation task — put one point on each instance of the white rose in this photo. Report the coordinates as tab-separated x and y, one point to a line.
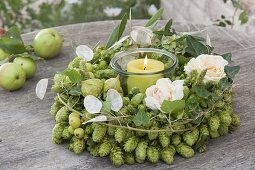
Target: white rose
164	89
141	35
213	63
112	12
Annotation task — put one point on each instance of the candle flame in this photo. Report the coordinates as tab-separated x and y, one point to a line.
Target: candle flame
145	63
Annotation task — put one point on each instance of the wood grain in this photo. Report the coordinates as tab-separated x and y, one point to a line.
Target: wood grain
25	122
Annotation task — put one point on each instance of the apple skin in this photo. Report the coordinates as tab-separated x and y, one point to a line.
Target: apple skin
12	76
48	43
27	64
3	55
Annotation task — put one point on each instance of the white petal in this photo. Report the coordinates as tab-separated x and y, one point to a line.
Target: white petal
112	12
152	103
163	82
100	118
118	43
208	40
115	98
41	88
92	104
178	89
85	52
141	35
152	10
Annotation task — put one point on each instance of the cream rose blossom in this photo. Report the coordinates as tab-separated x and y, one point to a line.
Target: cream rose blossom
164	89
213	63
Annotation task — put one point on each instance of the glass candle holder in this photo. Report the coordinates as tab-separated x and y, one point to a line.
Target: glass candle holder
142	67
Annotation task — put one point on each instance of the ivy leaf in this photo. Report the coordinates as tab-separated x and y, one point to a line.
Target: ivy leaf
224	83
141	119
75	91
155	18
243	17
201	91
195	47
227	57
73	75
231	71
173	106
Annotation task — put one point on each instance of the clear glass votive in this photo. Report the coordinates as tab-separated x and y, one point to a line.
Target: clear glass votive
135	71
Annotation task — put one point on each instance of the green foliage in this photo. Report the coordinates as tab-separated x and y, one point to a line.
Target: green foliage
232	71
155	18
173	106
141	119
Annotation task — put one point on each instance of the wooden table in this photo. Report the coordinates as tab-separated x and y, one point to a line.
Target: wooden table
25	122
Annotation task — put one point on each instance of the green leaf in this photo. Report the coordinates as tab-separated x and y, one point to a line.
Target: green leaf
106	108
236	4
224	83
243	17
141	119
117	32
122	25
227	57
195	47
173	106
166	33
12	45
231	71
169	25
73	75
201	91
13	32
75	91
155	17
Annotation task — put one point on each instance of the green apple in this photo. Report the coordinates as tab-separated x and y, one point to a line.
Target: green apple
3	55
12	76
28	65
48	43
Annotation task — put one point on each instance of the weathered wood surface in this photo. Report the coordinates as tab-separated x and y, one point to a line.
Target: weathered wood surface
25	123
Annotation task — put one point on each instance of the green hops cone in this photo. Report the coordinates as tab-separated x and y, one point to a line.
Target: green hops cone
88	129
164	139
153	154
99	132
75	63
78	146
111	131
116	156
153	135
214	123
104	148
185	150
214	134
191	137
167	155
126	101
66	134
54	109
225	118
112	83
204	130
140	151
223	129
235	120
120	135
176	139
92	87
137	99
129	158
62	116
202	148
131	144
94	150
57	134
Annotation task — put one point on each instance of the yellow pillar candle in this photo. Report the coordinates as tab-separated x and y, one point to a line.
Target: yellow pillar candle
143	66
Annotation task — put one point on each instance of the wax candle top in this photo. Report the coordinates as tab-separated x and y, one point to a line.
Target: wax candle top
145	66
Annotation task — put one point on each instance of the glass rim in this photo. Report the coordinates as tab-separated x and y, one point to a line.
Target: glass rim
136	50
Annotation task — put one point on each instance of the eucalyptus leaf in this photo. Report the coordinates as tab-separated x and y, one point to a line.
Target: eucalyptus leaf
41	88
173	106
155	18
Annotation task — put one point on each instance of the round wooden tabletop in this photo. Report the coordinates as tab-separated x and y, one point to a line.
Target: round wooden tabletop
26	125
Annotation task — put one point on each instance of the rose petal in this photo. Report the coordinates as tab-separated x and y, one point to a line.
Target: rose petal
141	35
85	52
92	104
115	98
178	89
41	88
100	118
